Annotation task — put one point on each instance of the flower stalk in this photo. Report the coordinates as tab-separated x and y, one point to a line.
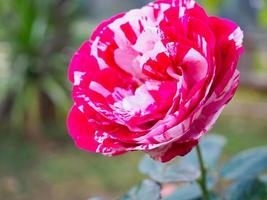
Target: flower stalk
203	178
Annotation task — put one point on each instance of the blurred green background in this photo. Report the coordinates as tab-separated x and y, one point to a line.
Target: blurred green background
37	38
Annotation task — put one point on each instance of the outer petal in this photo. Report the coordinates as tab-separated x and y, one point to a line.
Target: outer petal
226	31
89	139
81	132
167	152
82	63
229	47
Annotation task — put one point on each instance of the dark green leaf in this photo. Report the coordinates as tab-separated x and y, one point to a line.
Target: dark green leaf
148	189
251	189
168	172
249	163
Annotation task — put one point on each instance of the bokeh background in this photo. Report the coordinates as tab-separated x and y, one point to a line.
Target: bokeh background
37	38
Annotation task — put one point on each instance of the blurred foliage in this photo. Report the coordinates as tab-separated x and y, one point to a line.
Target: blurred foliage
216	6
247	13
38	34
212	6
262	15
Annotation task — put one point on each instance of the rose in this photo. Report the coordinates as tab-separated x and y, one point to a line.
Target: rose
153	79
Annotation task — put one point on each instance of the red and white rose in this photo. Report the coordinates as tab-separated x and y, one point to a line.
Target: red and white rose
153	79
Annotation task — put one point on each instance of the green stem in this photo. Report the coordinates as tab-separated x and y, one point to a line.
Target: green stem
203	179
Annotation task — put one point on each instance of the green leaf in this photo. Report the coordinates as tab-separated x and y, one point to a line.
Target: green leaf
251	188
249	163
187	192
168	172
211	148
148	189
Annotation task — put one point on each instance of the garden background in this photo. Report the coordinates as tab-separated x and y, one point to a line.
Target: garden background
37	38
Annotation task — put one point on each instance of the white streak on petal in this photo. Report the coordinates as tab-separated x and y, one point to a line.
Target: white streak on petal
237	36
126	59
181	11
201	66
81	108
119	93
204	46
147	39
156	6
94	52
202	43
153	53
102	46
134	104
100	137
78	77
191	4
139	102
99	89
152	85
